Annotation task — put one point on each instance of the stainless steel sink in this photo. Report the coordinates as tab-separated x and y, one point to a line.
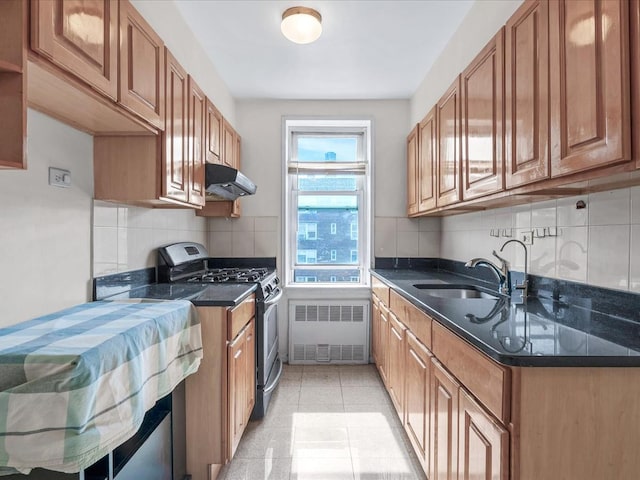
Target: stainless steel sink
455	291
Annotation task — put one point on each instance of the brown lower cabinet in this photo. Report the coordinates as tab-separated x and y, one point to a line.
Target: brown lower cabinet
418	397
469	417
483	443
220	395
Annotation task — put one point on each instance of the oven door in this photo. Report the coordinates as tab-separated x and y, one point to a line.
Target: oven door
269	342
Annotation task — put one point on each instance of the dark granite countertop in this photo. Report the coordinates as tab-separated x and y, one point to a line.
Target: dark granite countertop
543	333
201	295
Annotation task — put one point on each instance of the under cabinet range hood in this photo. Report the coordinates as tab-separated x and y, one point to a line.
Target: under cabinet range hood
226	183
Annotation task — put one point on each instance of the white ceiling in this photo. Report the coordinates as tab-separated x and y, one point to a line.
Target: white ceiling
369	49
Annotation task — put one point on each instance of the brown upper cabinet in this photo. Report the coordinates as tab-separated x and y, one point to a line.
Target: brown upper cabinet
230	157
196	142
13	82
527	94
413	172
448	152
142	84
81	38
168	169
176	162
481	98
590	98
427	154
213	133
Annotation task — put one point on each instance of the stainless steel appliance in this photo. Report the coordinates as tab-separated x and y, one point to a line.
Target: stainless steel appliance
189	262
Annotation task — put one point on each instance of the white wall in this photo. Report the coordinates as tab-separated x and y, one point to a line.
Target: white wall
482	22
165	18
258	232
45	231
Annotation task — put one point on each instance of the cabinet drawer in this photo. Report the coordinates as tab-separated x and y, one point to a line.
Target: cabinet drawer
381	290
240	316
488	381
417	321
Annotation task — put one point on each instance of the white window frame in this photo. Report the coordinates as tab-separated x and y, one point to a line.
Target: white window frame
314	256
354	231
334	228
334	255
318	125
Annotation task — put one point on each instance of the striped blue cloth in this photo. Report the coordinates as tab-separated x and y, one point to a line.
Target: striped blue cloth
76	384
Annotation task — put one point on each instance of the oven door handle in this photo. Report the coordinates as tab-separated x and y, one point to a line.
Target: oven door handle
275	299
276	380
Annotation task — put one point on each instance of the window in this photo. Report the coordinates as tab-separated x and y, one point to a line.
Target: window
308	231
307	256
354	231
327	191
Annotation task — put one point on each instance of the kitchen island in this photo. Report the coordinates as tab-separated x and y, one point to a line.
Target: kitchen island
487	388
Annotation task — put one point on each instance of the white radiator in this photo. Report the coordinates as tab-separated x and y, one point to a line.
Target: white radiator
328	331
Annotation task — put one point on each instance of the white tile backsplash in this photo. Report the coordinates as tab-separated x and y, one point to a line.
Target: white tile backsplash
131	242
220	244
569	215
634	260
610	208
408	244
593	245
543	214
571	253
635	205
608	257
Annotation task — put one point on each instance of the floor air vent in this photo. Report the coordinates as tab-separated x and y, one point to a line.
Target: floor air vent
326	332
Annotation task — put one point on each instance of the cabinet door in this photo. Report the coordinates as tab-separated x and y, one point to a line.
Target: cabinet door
443	424
448	164
427	151
14	15
482	96
396	371
375	328
383	351
81	37
228	144
250	374
590	114
484	443
213	130
417	397
413	172
196	136
176	163
237	388
527	154
142	69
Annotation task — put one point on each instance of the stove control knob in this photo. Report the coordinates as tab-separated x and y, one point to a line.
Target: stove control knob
276	280
269	289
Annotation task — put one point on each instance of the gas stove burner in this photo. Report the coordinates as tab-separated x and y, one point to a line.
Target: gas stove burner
237	275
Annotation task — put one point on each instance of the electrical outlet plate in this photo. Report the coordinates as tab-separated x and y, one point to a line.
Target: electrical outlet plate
59	177
527	238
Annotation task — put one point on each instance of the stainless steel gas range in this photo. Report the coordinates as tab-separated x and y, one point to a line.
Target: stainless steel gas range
188	262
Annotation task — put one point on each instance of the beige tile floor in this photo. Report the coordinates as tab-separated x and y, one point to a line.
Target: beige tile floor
326	423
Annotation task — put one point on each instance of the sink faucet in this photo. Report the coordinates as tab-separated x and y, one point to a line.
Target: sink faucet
524	286
502	273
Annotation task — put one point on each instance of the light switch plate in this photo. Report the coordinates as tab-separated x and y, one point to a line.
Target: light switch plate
527	238
59	177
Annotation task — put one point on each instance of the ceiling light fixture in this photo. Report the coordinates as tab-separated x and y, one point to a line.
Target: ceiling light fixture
301	24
